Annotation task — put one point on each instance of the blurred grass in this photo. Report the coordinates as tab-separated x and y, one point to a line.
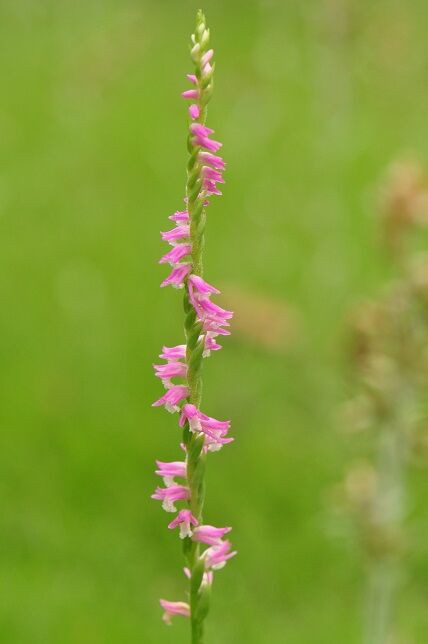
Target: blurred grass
312	101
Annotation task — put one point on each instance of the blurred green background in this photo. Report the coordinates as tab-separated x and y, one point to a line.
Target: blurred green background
313	99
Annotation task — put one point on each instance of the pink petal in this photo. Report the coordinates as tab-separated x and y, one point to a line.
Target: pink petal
177	276
194	111
190	93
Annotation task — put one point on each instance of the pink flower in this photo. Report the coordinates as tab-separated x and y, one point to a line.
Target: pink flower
176	253
174	608
215	443
214	161
199	294
200	130
216	556
215	430
173	353
206	308
208	144
169	470
194	111
185	520
202	287
201	137
212	174
209	534
215	328
192	78
210	188
200	422
170	370
169	495
190	93
172	397
210	345
190	414
180	217
177	276
177	233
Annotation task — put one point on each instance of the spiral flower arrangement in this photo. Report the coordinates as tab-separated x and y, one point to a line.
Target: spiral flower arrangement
205	547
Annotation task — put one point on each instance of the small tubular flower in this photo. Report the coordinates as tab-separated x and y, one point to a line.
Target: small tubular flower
215	442
201	135
194	111
201	288
180	217
210	535
177	276
168	471
199	422
169	495
190	93
200	293
172	397
212	174
173	608
180	232
170	370
210	345
214	430
175	254
215	328
206	158
173	353
216	556
184	520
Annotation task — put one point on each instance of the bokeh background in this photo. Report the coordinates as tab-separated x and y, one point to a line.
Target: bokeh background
313	99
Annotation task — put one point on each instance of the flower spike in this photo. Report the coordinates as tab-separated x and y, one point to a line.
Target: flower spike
203	545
